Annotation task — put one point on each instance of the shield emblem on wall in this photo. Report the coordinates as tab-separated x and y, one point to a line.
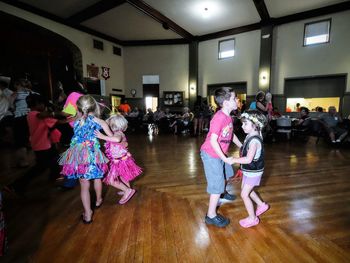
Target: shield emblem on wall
105	73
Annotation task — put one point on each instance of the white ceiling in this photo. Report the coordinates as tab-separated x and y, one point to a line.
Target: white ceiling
278	8
126	22
129	23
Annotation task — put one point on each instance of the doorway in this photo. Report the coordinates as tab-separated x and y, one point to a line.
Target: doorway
240	88
151	91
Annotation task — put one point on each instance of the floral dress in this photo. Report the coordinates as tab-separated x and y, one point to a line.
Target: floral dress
84	158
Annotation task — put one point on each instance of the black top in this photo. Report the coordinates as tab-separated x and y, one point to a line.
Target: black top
257	165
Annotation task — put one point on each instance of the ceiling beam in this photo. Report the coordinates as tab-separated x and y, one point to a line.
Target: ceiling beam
262	10
229	32
156	42
312	13
166	22
60	20
95	10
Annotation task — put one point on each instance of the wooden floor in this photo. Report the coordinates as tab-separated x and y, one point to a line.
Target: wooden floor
307	186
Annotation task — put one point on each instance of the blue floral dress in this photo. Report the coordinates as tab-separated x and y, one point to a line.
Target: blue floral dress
84	158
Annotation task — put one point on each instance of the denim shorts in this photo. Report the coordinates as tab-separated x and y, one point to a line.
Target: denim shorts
215	171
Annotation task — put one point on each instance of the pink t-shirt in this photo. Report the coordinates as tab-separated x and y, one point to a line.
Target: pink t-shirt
39	131
221	125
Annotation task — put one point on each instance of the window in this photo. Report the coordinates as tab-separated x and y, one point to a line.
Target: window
98	44
226	48
317	32
312	103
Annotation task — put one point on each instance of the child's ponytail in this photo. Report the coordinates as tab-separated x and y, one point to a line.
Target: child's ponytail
87	104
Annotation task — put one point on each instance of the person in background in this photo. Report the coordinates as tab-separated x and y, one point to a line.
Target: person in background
40	122
243	106
331	121
20	125
124	107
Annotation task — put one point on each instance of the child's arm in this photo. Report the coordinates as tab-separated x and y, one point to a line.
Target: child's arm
250	155
236	141
104	126
116	138
214	143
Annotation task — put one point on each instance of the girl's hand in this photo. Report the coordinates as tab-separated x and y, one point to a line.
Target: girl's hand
229	160
98	134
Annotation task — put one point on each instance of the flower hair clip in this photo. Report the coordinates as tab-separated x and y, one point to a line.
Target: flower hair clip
253	119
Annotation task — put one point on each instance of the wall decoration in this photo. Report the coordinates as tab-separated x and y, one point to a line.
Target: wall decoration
173	98
92	71
105	73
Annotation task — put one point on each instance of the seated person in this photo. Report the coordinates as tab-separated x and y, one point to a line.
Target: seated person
275	113
331	121
134	118
303	120
182	122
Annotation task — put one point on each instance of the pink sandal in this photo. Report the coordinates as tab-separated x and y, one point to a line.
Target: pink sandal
262	209
246	222
131	194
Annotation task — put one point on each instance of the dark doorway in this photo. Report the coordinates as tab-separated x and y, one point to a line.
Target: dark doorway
32	52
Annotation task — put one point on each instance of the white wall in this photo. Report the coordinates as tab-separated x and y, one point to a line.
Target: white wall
244	66
291	59
170	62
84	42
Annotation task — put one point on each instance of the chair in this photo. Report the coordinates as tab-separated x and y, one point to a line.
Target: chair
284	126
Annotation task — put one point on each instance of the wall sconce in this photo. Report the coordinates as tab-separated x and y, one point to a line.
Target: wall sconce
192	89
263	78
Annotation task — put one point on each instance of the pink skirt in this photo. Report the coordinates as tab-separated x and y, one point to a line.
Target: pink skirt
124	168
252	181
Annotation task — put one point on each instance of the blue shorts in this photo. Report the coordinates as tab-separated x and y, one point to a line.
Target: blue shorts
215	171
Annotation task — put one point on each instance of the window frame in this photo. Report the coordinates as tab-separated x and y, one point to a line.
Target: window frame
315	22
225	40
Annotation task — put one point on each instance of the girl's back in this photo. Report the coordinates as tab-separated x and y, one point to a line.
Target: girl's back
84	130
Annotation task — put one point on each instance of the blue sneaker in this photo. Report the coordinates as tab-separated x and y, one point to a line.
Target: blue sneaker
228	196
218	221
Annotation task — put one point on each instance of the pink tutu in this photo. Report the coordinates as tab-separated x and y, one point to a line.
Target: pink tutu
122	164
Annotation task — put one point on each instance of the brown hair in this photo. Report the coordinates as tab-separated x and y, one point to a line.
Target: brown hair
222	94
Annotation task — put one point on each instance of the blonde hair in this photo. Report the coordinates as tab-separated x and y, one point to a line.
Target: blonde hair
256	117
117	122
87	104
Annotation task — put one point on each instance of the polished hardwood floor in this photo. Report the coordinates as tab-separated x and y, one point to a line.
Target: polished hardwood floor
307	186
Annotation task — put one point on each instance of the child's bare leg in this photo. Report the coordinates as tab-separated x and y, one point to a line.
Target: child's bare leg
125	182
246	189
256	198
120	186
126	190
85	198
98	191
213	202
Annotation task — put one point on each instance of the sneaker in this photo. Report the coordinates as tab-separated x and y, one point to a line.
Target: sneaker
218	221
338	140
228	196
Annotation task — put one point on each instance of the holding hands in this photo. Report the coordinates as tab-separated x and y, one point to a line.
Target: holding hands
229	160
